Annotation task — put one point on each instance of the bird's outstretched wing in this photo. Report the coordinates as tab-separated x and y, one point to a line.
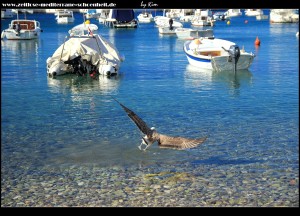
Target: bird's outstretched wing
165	141
137	120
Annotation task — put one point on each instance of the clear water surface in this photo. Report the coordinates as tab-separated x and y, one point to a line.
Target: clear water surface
251	119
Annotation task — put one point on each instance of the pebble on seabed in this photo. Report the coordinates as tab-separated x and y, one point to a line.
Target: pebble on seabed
151	186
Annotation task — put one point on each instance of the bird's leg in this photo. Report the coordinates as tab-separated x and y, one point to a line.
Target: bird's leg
146	147
140	146
143	143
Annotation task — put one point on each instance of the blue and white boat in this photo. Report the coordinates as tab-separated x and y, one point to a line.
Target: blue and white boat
217	55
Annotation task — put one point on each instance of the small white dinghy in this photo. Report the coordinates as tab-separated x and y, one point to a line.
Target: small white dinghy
145	17
217	55
168	26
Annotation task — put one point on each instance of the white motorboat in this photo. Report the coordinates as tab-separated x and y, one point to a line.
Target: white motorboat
202	21
64	16
219	16
186	15
85	54
253	12
22	29
168	26
145	17
284	16
217	55
162	21
233	13
172	13
258	13
203	18
189	33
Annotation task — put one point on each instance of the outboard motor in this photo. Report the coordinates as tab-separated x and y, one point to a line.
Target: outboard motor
77	65
234	55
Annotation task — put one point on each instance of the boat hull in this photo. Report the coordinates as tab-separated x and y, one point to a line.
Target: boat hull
22	35
253	12
199	62
224	63
145	20
185	33
125	25
262	17
117	24
188	33
166	30
202	23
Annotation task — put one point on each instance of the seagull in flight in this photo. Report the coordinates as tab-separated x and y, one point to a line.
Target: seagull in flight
164	141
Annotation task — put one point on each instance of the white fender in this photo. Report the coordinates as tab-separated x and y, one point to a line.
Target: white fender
56	69
3	35
107	70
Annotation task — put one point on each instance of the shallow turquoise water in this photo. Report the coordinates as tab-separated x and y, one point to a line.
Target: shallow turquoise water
250	118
